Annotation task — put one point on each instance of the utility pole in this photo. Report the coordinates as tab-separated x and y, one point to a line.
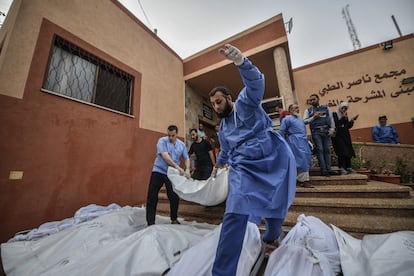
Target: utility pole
351	28
396	25
2	14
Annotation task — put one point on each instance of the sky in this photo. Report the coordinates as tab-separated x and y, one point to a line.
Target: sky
319	29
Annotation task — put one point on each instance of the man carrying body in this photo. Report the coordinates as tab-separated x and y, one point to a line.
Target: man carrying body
294	130
169	151
322	127
262	174
205	157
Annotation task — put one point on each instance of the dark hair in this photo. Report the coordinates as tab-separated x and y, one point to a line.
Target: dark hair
314	95
172	128
193	129
226	91
290	107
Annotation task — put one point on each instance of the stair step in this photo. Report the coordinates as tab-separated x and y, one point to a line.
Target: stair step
191	211
317	170
366	224
410	185
403	207
350	202
372	189
348	179
358	223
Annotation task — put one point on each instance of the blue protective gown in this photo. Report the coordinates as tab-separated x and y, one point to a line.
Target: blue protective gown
262	174
295	130
385	134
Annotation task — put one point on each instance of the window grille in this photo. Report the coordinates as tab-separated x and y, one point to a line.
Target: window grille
77	74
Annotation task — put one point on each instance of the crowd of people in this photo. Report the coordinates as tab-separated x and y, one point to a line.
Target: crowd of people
265	165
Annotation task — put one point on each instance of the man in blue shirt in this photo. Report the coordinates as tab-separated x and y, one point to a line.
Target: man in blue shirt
169	152
262	174
384	133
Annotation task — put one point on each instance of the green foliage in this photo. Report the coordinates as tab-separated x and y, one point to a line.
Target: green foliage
383	166
358	162
401	168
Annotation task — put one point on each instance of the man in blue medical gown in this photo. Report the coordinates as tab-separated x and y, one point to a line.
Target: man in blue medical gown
384	133
262	175
294	130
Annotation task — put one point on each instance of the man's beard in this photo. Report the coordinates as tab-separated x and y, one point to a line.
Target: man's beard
226	112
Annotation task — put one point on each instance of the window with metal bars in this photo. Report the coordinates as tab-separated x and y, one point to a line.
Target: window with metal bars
75	73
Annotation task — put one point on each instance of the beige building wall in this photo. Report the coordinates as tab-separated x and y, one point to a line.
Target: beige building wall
105	26
194	114
369	79
66	153
13	52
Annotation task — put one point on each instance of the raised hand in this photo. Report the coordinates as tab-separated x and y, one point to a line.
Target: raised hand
232	53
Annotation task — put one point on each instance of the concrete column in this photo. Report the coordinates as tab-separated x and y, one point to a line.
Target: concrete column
283	77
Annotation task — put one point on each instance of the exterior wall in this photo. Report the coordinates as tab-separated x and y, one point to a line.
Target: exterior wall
370	80
193	102
106	26
11	72
194	113
405	132
385	155
73	154
250	41
207	68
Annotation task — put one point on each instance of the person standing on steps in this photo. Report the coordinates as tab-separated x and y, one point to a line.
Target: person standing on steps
319	117
262	174
294	130
169	152
204	154
342	142
200	131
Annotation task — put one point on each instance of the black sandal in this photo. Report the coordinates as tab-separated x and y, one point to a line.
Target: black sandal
306	184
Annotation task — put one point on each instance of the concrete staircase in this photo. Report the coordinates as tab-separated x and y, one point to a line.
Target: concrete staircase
350	202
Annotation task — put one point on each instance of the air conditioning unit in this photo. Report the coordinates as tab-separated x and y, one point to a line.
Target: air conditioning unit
273	106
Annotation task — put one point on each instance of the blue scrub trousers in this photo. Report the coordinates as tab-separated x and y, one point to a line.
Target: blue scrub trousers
231	239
